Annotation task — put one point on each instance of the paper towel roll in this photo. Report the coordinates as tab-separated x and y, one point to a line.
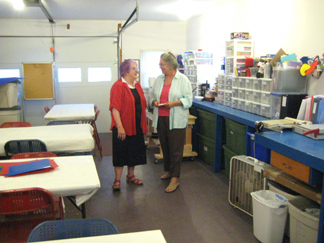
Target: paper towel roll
151	81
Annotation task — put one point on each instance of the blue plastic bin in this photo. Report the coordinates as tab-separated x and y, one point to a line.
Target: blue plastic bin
258	151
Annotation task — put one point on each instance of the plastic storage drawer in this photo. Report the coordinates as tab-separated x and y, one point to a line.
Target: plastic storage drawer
249	94
235	103
249	83
256	96
207	124
257	84
266	84
248	106
288	80
206	149
241	83
265	110
235	82
265	98
241	104
241	93
256	108
234	92
235	136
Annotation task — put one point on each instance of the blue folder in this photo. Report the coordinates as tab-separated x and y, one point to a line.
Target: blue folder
29	167
317	115
9	80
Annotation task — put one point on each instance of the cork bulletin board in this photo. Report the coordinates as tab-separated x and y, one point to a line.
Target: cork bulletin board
38	81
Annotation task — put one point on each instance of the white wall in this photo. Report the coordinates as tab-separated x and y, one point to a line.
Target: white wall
82	52
293	25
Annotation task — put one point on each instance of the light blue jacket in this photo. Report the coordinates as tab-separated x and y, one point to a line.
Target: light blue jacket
180	90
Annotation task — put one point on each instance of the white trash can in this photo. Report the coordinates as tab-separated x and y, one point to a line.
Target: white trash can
269	216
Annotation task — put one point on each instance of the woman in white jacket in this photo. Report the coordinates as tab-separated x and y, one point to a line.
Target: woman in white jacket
172	97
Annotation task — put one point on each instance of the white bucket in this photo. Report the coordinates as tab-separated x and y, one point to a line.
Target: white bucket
269	216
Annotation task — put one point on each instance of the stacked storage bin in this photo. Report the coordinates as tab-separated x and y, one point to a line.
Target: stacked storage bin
288	91
206	136
221	89
235	141
249	95
224	94
9	109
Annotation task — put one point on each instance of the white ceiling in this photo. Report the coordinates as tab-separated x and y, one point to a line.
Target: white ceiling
165	10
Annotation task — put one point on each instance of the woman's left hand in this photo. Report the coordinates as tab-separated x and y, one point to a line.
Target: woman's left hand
169	104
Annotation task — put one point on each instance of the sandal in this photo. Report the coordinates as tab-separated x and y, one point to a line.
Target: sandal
166	176
134	180
172	187
116	185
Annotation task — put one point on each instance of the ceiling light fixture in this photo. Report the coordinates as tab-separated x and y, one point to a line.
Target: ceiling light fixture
38	3
18	4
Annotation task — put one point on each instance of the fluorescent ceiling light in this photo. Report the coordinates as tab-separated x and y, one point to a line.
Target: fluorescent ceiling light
186	8
18	4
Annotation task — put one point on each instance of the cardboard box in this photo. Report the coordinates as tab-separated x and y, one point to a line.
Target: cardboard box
277	57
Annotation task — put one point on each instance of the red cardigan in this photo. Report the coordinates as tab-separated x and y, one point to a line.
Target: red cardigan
122	99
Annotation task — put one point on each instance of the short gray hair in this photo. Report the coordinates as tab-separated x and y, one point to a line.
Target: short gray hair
170	60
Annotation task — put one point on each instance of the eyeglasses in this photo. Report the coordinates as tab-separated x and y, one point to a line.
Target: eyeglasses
136	69
162	64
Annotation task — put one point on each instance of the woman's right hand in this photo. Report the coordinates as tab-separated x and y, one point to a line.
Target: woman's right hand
156	103
121	133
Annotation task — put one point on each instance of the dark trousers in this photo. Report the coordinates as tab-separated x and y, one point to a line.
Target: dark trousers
172	144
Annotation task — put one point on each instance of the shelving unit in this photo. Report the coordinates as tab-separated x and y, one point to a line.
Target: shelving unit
236	52
197	67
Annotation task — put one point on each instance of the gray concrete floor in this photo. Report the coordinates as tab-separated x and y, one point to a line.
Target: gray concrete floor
198	211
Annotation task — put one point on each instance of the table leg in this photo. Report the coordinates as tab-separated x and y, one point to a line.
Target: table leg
82	209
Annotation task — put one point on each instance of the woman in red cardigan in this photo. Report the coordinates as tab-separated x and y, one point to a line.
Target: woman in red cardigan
128	123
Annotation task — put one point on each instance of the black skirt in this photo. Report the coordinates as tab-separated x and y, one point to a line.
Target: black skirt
132	150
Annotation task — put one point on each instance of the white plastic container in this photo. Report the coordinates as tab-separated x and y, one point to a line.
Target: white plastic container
8	95
265	110
256	108
235	82
257	84
288	80
257	96
9	116
241	82
249	83
235	103
265	98
241	93
266	85
248	106
269	216
241	105
303	226
234	92
249	94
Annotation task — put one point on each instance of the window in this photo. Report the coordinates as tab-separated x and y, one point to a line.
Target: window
150	66
69	75
99	74
8	73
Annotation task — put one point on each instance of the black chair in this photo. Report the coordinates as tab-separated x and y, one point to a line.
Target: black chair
13	147
61	123
72	228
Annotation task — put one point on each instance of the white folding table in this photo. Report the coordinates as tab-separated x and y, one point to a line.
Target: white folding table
59	138
71	112
75	176
150	236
